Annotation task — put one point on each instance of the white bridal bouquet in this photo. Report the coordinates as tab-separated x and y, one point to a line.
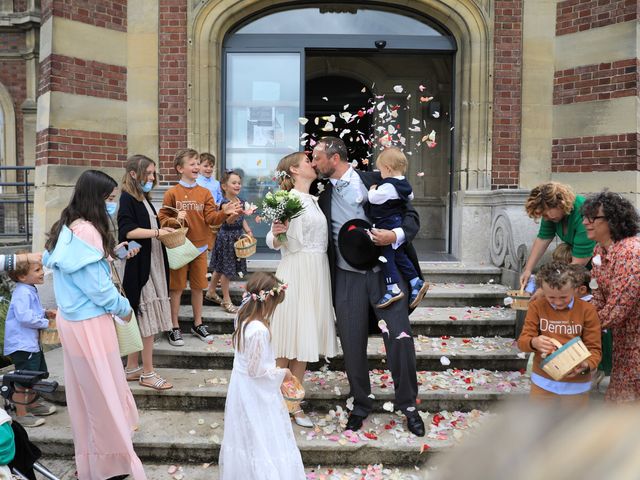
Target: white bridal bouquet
282	206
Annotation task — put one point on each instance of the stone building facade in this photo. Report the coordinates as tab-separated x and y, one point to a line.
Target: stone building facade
525	102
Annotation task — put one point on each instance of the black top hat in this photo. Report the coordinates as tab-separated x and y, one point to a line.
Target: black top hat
356	245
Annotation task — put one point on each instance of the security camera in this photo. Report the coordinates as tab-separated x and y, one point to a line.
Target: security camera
380	44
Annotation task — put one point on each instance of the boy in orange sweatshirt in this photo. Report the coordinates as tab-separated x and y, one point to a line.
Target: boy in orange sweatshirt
196	205
562	316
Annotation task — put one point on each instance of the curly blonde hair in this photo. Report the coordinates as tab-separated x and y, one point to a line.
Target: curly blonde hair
550	195
286	181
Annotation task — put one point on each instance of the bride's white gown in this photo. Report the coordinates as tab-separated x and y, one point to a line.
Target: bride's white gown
303	326
258	442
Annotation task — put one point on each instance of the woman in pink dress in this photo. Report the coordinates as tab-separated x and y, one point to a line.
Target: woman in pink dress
101	407
613	222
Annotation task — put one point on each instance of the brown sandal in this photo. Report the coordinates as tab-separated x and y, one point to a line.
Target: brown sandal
229	307
157	382
213	297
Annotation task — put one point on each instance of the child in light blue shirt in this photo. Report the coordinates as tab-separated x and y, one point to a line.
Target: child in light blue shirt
206	178
25	319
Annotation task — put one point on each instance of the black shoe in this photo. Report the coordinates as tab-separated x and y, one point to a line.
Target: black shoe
415	424
355	422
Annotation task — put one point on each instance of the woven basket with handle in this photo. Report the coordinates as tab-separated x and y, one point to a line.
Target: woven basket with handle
49	337
179	235
565	358
245	246
293	394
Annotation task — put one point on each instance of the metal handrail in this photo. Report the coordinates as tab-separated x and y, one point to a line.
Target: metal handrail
19	198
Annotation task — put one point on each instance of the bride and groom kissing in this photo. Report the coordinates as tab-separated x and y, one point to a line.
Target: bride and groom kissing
358	284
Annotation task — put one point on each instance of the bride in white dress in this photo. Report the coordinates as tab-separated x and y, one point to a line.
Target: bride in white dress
303	327
258	441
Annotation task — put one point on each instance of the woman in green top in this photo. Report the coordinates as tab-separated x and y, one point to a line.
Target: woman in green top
561	213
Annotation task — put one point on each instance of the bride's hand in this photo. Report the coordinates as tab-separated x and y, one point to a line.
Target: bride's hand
278	227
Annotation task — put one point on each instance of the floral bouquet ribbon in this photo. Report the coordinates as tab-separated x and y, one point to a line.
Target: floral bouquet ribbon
282	206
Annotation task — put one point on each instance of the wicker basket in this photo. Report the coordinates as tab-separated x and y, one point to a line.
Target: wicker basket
49	337
293	394
245	246
566	358
178	236
520	299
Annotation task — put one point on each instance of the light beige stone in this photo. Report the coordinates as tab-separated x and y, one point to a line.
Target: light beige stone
142	78
80	112
538	44
604	44
81	40
9	140
605	117
53	189
625	183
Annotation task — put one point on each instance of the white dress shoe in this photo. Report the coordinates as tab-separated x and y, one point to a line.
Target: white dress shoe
303	421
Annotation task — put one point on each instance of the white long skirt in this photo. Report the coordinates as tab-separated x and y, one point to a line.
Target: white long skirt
303	326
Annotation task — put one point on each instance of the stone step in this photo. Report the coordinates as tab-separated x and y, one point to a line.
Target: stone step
495	353
439	295
64	469
201	389
170	436
430	321
439	272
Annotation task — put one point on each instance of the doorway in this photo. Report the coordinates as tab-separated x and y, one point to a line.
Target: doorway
297	86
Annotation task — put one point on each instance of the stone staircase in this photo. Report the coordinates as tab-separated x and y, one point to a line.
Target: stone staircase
466	362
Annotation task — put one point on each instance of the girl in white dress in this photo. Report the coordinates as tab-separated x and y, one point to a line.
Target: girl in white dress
304	326
258	442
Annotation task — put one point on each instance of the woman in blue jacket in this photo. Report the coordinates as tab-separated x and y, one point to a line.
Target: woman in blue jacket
100	405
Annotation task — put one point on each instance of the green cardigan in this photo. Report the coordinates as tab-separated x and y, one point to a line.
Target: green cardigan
576	236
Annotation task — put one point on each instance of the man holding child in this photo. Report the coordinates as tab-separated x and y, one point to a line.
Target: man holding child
356	292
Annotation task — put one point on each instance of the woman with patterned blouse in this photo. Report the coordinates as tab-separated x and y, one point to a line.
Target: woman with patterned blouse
613	222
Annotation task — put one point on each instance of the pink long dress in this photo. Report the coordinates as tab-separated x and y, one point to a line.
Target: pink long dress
101	407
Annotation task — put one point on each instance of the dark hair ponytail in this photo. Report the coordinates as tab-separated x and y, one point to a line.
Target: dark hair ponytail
87	202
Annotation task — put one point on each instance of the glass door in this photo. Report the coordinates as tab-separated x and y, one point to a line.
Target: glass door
263	102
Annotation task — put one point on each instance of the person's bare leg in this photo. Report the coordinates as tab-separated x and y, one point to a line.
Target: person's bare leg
224	283
147	354
174	297
197	296
213	283
297	369
132	360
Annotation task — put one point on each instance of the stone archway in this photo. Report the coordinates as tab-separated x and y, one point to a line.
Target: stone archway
467	20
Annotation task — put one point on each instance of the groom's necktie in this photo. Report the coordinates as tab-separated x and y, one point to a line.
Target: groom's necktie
341	185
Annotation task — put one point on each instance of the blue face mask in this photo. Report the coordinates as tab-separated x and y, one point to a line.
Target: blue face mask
111	208
146	187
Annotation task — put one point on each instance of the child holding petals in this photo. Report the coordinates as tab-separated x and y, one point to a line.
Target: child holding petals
258	438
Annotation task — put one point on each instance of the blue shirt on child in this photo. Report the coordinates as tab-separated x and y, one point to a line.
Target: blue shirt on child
213	186
24	318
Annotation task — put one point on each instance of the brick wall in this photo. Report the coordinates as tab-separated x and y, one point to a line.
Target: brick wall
82	77
507	91
13	75
596	154
172	84
81	147
597	82
110	14
579	15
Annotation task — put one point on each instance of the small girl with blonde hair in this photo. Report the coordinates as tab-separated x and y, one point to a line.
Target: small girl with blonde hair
258	438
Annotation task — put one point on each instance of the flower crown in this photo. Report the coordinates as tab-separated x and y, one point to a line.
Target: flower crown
281	174
263	295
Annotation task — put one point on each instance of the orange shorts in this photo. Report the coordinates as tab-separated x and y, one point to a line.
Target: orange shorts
196	270
541	395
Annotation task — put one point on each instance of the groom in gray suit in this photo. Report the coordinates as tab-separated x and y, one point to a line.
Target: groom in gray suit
355	292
